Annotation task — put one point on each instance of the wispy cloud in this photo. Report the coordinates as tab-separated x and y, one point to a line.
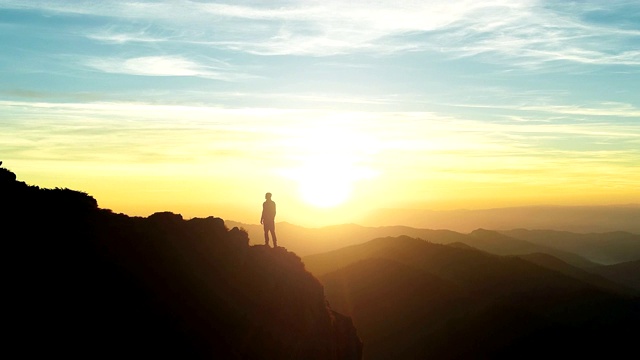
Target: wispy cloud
614	109
165	66
606	109
533	33
540	34
118	35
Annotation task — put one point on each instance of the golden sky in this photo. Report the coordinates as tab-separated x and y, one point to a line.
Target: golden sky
338	109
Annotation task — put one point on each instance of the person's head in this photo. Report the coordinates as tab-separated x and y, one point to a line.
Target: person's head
267	196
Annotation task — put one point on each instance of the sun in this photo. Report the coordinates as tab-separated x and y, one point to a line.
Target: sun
324	183
330	164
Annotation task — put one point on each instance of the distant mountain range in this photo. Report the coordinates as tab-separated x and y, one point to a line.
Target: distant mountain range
581	250
579	219
604	248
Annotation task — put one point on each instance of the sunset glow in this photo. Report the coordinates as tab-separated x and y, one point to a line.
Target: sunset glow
337	109
331	155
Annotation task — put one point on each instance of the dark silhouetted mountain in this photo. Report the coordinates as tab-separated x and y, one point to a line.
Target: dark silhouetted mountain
461	245
395	305
468	303
603	248
627	273
589	277
500	244
83	282
580	219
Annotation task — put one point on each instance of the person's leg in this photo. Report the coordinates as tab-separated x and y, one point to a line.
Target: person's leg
275	239
266	236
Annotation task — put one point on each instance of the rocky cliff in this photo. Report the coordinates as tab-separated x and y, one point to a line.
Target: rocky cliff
85	282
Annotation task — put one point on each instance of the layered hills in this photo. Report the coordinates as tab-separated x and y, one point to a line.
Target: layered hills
588	219
413	299
582	250
84	282
604	248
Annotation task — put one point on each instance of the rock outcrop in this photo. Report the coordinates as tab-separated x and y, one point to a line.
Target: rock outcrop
86	282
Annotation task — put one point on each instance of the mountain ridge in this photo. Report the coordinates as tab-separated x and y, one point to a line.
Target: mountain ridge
91	283
495	306
596	218
307	241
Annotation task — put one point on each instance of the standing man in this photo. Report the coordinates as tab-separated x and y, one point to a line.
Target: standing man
268	220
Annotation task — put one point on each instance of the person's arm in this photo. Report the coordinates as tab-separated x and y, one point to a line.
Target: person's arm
262	216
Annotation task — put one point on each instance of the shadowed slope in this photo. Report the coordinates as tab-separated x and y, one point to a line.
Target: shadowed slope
589	277
626	273
469	304
395	305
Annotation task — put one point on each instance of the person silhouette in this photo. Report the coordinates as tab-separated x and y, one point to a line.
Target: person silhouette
268	220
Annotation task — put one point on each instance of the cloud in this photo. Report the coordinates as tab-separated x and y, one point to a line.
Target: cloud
538	36
606	109
164	66
614	109
532	33
115	36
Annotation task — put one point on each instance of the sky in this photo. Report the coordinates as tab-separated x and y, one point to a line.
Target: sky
337	108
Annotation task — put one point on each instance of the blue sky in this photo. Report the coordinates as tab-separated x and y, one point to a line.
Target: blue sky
450	100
